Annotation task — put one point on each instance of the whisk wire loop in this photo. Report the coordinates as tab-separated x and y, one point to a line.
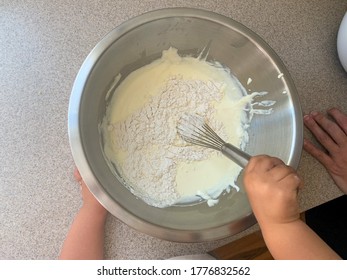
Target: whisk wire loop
193	129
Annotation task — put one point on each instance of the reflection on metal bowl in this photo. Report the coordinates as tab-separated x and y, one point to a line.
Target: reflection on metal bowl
136	43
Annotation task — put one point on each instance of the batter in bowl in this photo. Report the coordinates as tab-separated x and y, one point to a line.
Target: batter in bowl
140	136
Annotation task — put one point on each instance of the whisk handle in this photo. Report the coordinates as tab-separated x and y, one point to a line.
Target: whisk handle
235	154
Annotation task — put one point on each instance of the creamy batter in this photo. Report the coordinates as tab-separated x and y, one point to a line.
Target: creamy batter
140	134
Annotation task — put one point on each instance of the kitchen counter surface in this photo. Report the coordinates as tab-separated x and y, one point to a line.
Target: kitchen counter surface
42	46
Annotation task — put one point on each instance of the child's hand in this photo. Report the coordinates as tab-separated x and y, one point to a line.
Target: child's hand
332	134
272	189
85	240
89	201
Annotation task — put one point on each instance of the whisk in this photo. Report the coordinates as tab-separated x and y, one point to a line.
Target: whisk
193	129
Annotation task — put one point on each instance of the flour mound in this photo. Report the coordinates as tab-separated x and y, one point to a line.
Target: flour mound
150	139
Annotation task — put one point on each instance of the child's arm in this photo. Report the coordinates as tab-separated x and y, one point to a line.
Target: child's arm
296	241
85	239
272	189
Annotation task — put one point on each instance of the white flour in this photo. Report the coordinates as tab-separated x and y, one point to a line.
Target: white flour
153	147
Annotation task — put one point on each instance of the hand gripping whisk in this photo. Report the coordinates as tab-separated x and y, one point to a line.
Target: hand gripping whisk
193	129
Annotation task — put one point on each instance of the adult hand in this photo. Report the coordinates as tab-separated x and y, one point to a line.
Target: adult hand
331	133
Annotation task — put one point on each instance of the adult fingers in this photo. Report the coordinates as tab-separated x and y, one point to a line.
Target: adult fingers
340	118
318	125
321	156
332	128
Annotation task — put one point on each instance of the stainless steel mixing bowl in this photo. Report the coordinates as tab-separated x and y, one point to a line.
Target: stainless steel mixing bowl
136	43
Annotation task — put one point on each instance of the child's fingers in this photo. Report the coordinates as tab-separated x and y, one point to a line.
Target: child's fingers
263	163
281	171
292	181
77	175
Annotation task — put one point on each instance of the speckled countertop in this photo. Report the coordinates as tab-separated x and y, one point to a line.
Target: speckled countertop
42	46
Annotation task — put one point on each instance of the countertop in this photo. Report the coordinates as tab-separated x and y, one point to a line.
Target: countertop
42	46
